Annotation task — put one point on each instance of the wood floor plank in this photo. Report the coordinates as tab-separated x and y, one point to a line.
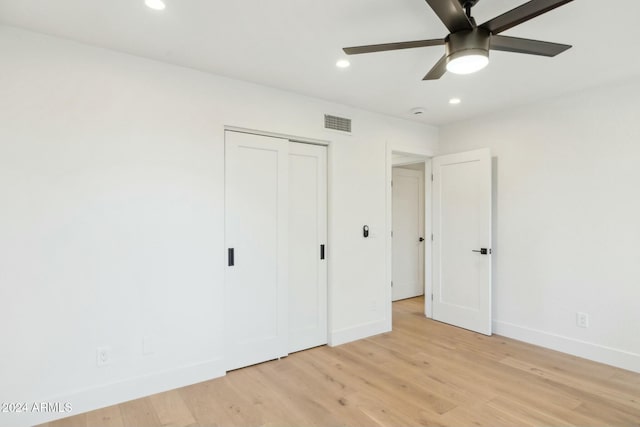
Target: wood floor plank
107	417
75	421
540	415
139	413
483	416
204	407
305	405
580	383
386	386
237	408
171	409
422	373
272	405
384	417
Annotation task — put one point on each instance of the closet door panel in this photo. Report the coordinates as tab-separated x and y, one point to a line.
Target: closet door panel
256	210
307	235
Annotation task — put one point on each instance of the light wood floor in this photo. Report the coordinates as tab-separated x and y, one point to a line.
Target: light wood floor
422	373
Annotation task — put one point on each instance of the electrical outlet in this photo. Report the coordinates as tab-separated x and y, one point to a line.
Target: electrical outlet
103	356
582	320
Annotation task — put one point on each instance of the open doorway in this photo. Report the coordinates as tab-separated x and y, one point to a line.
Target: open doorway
409	246
457	206
408	238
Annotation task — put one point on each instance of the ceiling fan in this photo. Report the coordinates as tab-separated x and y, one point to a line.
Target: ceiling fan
467	46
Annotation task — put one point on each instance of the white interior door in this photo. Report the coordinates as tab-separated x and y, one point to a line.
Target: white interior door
408	230
462	229
256	210
307	246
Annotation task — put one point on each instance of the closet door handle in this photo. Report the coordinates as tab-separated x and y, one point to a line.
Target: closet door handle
231	257
321	251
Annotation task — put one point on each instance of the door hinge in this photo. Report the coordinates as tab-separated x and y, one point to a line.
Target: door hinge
391	233
432	237
431	177
431	297
392	283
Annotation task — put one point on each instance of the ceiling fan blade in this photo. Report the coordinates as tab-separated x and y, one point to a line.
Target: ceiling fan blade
452	14
528	46
438	70
521	14
392	46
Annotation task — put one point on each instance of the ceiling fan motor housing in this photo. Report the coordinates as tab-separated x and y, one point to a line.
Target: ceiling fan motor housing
472	42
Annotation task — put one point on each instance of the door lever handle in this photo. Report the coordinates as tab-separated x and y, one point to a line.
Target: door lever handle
482	251
421	239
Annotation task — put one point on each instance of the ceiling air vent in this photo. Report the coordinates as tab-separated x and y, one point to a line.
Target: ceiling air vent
337	123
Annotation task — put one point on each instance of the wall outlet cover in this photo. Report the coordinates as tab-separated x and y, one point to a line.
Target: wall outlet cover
582	320
103	356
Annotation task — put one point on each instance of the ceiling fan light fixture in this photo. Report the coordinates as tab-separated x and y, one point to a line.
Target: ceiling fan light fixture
467	62
468	51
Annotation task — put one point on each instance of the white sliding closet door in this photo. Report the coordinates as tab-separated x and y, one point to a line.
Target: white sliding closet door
307	246
256	210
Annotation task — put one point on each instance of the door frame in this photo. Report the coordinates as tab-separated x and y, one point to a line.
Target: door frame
330	228
426	154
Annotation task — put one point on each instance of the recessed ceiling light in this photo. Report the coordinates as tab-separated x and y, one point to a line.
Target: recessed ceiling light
155	4
455	101
343	63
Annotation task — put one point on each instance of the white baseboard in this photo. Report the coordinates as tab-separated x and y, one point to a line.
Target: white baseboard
112	394
599	353
353	333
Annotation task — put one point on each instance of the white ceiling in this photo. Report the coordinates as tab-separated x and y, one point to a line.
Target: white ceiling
294	45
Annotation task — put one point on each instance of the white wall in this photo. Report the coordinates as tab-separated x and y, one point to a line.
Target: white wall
111	218
567	220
